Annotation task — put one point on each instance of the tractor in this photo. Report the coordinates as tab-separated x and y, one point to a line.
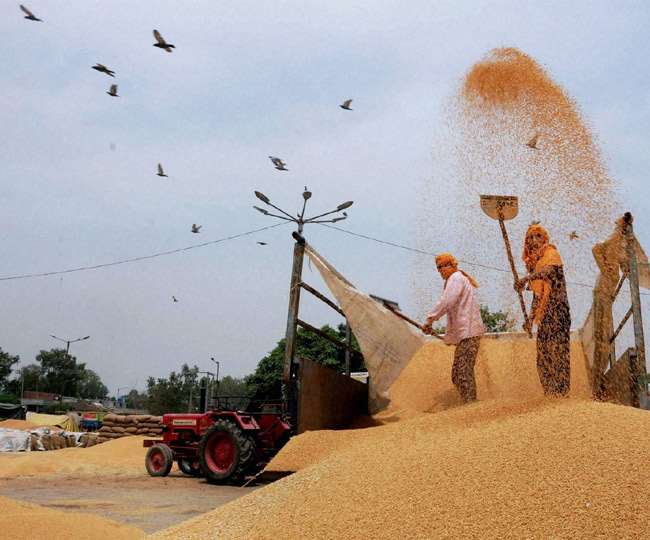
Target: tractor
223	445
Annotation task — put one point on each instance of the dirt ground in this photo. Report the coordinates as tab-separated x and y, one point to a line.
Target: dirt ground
150	504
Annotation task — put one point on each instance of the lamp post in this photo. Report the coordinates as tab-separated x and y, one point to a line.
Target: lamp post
289	374
67	353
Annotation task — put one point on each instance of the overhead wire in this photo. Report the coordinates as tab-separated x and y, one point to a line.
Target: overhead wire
142	257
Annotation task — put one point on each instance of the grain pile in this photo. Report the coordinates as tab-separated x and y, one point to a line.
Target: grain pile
21	520
115	426
17	424
124	456
502	103
544	469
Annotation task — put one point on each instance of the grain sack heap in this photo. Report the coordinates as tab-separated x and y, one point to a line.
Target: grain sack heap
115	426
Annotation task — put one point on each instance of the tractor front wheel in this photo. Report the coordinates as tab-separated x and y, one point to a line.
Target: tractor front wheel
225	453
159	460
190	467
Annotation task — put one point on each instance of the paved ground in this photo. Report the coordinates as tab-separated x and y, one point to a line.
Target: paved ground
148	503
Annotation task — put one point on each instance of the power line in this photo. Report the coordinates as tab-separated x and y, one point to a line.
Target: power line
430	253
141	258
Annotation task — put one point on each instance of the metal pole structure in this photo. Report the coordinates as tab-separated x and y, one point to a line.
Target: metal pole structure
639	341
348	342
294	302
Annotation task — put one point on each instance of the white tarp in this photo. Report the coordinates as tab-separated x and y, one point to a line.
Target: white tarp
14	440
387	342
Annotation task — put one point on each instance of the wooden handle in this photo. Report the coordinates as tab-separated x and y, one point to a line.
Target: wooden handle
522	303
408	319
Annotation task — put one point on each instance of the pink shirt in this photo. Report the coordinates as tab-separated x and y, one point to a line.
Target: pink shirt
458	302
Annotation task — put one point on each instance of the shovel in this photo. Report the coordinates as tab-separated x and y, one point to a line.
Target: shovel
501	208
405	318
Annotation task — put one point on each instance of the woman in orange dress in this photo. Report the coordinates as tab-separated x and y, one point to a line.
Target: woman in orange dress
550	310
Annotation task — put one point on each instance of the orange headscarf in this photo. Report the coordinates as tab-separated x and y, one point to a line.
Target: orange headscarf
449	259
546	255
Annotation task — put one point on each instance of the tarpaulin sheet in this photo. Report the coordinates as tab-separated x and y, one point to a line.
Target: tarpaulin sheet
59	420
387	342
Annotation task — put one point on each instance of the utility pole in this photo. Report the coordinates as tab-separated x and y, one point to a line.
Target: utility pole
67	354
290	370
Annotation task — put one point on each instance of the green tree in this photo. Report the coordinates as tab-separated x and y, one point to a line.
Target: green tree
172	394
7	362
91	386
497	321
136	400
265	383
60	372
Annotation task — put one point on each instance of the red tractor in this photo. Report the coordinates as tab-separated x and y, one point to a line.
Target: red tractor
222	445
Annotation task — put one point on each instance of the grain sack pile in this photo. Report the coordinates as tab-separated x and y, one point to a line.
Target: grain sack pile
25	521
124	456
115	426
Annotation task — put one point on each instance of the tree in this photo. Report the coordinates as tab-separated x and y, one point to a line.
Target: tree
91	386
60	372
136	400
265	383
496	321
7	362
172	394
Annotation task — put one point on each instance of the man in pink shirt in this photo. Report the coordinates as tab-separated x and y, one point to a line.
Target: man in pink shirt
464	323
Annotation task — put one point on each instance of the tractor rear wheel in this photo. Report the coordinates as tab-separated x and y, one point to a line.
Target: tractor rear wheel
159	460
226	454
189	467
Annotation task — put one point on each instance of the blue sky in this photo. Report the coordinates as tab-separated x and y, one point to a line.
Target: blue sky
248	80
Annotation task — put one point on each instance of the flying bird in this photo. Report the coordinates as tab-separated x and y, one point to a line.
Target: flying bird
174	299
29	15
262	243
533	142
346	105
196	228
113	91
278	163
573	235
103	69
161	43
160	171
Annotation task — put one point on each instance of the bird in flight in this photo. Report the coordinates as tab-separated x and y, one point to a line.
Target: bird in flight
113	91
174	299
346	105
160	171
196	228
533	142
103	69
29	15
278	163
573	235
262	243
161	43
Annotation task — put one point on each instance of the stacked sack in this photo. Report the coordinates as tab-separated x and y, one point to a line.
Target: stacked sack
115	426
46	439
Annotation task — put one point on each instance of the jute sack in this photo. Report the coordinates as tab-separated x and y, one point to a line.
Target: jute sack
131	430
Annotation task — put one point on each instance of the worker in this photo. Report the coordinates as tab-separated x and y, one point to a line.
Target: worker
464	324
549	311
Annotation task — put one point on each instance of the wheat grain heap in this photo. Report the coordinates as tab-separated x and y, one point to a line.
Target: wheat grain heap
514	464
124	456
25	521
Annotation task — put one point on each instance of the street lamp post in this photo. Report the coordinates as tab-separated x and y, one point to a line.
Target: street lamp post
289	374
67	353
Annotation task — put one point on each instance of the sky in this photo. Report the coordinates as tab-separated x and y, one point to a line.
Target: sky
249	79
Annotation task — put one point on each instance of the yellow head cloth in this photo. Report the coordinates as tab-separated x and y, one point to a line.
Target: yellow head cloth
447	259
